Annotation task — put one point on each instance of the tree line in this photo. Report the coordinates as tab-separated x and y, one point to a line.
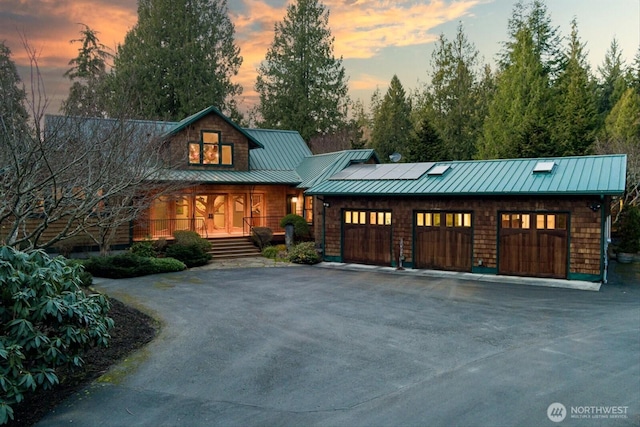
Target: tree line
542	98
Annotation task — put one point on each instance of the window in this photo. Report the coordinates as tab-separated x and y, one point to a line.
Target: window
308	209
451	219
539	221
369	217
210	150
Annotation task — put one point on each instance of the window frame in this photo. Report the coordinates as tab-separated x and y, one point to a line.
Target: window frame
220	148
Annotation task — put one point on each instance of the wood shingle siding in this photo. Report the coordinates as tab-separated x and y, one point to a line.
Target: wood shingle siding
584	233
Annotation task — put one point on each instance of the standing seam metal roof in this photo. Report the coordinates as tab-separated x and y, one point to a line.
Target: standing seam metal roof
601	175
282	150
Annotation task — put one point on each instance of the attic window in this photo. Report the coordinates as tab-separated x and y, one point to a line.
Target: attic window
438	170
544	166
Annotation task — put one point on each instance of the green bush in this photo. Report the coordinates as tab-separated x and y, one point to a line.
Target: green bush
630	230
185	237
270	252
46	322
189	248
261	236
143	249
300	226
130	265
192	255
168	265
304	253
86	279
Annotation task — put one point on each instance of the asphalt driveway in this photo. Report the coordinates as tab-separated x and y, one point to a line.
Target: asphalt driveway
314	346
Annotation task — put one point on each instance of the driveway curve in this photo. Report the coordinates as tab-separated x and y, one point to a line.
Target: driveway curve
313	346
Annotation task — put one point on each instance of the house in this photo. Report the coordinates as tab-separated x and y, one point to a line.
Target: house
231	179
527	217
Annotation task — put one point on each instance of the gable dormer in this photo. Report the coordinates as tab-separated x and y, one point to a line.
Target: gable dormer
208	140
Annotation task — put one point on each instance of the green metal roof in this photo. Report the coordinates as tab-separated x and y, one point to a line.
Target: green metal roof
200	114
315	169
281	149
597	175
230	177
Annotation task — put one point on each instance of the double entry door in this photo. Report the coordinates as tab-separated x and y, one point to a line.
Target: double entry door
220	214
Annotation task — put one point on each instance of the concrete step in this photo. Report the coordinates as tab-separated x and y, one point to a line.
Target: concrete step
234	247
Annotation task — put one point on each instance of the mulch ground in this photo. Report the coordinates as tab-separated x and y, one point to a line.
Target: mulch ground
132	330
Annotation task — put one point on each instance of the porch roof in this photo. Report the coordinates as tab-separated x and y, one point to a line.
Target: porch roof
586	175
231	177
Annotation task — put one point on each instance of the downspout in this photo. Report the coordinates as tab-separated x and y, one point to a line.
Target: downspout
605	228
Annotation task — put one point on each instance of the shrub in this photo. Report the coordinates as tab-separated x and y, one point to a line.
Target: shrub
300	226
270	252
86	279
131	265
630	230
46	322
192	255
261	236
143	249
304	253
186	237
189	248
160	245
167	265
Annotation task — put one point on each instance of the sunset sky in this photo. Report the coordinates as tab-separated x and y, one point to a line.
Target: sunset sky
376	38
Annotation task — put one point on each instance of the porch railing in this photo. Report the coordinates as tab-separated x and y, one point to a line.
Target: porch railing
164	228
272	222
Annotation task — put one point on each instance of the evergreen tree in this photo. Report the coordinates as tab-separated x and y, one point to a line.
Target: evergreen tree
623	122
518	123
453	95
612	81
426	145
301	84
87	74
546	39
13	114
634	72
576	118
179	58
392	125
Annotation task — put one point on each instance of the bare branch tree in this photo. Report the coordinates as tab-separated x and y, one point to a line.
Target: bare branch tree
80	176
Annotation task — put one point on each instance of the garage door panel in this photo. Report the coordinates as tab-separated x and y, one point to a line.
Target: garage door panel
529	248
440	245
369	240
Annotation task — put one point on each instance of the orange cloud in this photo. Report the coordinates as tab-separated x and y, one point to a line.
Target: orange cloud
361	28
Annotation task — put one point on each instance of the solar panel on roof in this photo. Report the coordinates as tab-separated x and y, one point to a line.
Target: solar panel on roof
385	172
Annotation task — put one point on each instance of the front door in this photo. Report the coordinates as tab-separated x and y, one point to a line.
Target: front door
210	214
238	212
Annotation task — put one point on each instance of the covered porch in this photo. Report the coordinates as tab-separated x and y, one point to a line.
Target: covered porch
220	211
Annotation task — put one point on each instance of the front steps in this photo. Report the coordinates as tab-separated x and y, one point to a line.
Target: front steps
233	247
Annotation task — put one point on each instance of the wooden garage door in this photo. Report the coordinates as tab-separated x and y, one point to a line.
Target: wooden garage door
534	244
367	237
444	240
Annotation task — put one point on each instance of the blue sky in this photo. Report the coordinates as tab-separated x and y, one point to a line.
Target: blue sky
376	38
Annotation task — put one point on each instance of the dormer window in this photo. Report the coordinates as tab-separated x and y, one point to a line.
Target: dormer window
210	150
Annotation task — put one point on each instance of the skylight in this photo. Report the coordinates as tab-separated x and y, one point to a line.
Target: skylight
438	170
544	166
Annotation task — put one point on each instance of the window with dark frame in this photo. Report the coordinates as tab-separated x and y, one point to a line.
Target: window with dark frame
210	150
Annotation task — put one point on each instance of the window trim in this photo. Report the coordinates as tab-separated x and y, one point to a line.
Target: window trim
201	150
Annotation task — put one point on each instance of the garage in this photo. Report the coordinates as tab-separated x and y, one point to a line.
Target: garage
534	244
443	240
545	218
367	237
